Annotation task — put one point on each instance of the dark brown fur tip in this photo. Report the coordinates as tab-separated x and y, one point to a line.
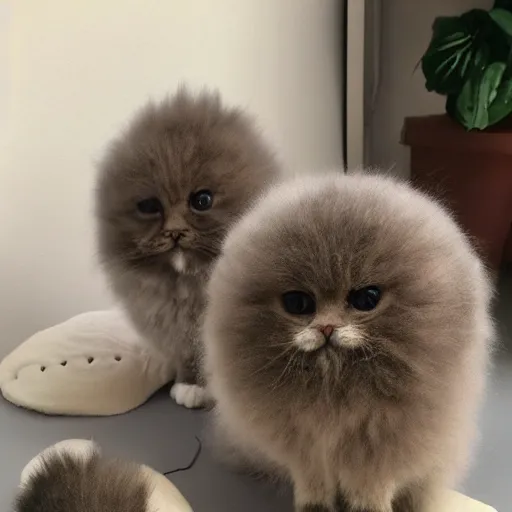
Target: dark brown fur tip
341	505
65	483
313	508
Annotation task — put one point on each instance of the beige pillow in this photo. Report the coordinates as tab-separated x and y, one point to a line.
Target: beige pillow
94	364
456	502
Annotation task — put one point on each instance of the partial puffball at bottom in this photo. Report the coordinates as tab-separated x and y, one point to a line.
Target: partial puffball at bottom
74	476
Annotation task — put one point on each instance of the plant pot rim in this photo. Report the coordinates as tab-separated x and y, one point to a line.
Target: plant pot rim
440	131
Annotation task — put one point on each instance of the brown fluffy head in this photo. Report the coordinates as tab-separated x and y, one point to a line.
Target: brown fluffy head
172	183
354	288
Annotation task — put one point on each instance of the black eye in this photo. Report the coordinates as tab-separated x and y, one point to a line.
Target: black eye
299	303
150	206
201	201
365	299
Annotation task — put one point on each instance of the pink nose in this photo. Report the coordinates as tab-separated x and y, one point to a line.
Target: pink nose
326	330
175	234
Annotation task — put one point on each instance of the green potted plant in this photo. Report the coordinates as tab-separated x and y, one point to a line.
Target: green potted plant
465	156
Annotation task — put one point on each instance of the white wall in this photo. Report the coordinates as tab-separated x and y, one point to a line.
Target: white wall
4	82
355	83
406	26
78	68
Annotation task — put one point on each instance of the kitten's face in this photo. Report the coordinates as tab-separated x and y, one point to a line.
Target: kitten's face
331	323
344	274
169	188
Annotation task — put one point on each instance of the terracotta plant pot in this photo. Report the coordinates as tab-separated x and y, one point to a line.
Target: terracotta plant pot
471	172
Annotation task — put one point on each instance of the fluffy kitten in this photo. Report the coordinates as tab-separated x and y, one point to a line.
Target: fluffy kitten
64	481
168	189
347	338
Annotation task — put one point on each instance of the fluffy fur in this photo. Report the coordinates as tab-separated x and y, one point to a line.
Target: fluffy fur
66	481
381	416
170	151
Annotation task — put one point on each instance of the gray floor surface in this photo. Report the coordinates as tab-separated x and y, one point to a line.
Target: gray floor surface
162	435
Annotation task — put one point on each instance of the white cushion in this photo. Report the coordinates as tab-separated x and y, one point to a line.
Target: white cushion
93	364
456	502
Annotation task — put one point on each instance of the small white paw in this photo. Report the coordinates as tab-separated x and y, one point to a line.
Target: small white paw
191	396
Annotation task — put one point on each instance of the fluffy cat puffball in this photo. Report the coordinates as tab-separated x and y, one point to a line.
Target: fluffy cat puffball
347	339
168	189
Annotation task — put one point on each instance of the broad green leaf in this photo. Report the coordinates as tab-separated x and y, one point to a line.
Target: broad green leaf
453	41
501	107
451	107
503	4
481	58
503	19
444	24
445	64
469	60
468	111
492	76
451	56
477	94
449	65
